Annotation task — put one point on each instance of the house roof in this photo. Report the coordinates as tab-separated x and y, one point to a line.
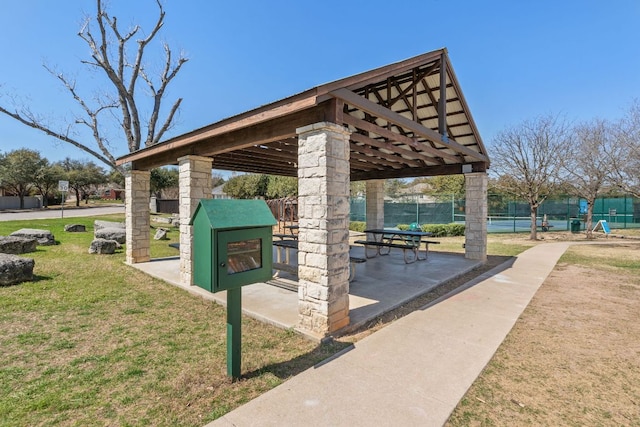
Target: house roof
400	127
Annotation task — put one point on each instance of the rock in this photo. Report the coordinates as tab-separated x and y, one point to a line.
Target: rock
44	237
103	246
75	228
117	234
98	225
17	245
15	269
162	220
161	234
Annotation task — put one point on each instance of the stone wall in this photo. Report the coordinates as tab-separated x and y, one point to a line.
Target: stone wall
375	203
476	216
137	220
323	211
195	184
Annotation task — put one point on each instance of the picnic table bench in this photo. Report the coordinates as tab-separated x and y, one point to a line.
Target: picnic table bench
283	236
407	240
285	264
545	226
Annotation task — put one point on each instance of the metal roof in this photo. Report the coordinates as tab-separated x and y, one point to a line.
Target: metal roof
400	127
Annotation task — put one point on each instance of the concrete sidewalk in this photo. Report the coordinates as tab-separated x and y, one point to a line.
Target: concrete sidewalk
414	371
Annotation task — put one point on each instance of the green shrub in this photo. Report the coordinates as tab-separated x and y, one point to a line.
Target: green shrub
359	226
439	230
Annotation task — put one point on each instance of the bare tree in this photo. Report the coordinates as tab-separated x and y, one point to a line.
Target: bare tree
587	168
528	158
123	66
624	154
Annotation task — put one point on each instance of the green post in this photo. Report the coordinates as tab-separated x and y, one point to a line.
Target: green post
234	332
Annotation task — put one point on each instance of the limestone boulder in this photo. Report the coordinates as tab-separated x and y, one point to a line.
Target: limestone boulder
103	246
162	220
161	234
117	234
15	269
44	237
17	245
75	228
98	224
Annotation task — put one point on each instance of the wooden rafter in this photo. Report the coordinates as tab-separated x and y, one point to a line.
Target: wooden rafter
364	104
436	154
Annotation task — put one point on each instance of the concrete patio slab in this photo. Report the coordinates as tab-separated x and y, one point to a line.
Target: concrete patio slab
381	284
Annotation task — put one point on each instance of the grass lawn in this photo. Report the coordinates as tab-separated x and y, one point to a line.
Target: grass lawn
93	341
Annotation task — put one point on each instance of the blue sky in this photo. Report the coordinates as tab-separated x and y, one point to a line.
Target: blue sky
515	60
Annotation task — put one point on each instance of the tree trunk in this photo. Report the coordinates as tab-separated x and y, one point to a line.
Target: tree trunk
77	197
588	222
534	223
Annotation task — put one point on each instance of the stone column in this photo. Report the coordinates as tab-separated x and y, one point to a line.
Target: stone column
375	203
195	184
476	216
323	211
137	220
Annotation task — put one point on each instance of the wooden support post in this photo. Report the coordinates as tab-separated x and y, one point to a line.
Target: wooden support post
442	103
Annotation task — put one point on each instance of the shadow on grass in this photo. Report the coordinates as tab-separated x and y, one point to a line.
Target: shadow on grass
39	278
320	355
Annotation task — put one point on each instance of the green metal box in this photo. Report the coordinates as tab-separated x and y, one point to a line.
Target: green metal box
232	243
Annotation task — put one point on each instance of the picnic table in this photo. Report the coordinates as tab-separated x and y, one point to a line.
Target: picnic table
384	239
545	226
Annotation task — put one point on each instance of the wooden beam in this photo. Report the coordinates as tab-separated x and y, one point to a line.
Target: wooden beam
251	118
393	136
363	162
281	128
416	172
379	111
378	75
401	152
442	102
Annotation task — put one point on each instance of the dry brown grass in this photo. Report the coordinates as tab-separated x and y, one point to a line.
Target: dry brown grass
573	356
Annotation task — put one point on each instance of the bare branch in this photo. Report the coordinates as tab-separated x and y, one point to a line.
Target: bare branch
167	123
141	46
109	160
93	115
109	54
167	75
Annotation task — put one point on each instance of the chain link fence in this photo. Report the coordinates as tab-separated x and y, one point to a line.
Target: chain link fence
506	214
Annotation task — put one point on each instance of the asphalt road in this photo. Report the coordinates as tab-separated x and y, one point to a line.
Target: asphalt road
57	213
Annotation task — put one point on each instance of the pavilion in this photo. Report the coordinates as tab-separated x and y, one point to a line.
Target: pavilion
407	119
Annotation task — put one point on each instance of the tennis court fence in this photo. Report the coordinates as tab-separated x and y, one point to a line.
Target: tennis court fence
506	215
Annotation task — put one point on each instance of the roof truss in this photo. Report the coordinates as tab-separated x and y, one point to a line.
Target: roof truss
407	119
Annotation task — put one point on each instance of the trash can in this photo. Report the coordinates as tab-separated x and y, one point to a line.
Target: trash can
575	226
